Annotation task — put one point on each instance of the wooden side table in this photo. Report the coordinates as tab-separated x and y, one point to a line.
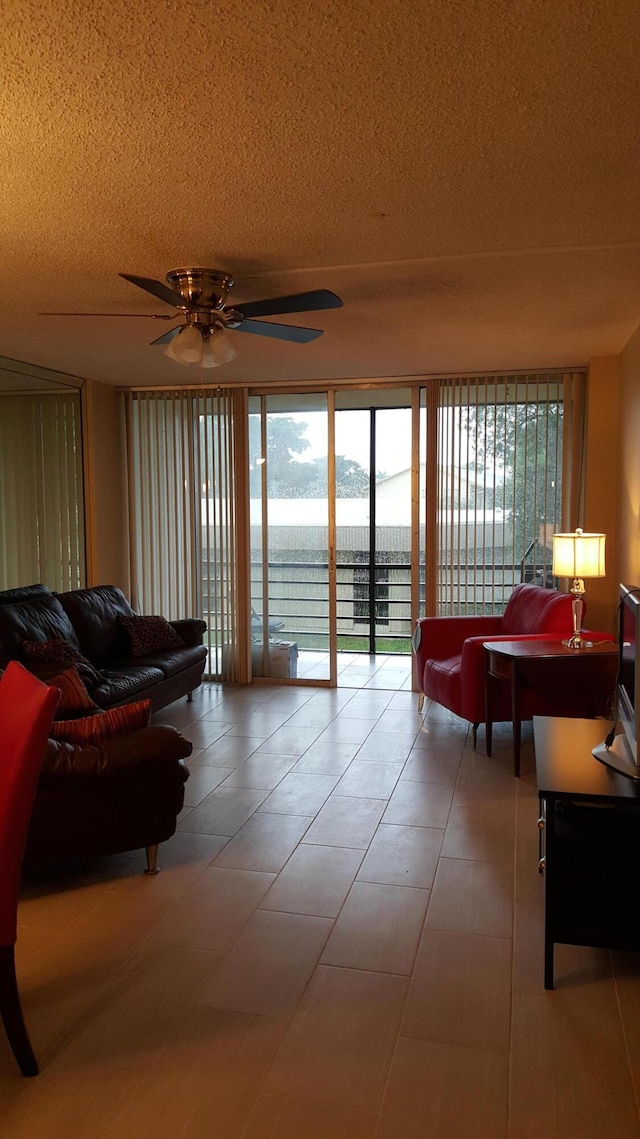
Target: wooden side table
549	667
589	840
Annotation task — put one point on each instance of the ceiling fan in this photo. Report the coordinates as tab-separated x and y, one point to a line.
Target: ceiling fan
199	296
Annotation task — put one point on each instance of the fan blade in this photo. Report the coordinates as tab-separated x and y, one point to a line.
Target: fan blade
278	331
298	302
134	315
168	335
156	288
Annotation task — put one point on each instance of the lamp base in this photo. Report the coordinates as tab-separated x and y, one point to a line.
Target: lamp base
577	641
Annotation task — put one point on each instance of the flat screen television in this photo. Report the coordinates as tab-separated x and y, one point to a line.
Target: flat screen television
620	751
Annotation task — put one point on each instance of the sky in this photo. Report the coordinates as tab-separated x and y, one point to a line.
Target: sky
393	441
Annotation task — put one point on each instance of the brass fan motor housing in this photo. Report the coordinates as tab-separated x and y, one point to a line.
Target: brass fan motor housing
205	289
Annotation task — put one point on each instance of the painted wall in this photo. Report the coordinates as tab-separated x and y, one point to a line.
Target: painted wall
628	475
105	487
600	487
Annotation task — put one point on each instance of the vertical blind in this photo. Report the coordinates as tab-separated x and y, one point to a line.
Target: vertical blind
41	498
509	474
503	472
187	514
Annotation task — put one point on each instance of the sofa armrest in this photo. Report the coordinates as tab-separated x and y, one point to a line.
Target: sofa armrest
158	745
190	629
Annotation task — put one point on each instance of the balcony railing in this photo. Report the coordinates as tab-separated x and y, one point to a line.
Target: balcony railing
298	599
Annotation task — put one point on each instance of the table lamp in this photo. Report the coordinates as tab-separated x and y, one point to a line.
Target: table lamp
577	556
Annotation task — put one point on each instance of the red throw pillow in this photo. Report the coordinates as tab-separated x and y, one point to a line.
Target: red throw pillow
104	725
149	635
74	697
61	652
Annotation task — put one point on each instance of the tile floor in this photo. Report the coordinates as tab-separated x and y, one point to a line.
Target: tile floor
345	942
358	670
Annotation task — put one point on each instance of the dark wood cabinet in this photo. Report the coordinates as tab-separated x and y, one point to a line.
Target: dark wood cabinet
589	840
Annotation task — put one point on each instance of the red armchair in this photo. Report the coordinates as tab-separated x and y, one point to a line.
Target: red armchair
450	659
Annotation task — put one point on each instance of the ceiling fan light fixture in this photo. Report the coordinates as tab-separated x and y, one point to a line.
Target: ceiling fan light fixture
186	347
206	345
217	348
169	352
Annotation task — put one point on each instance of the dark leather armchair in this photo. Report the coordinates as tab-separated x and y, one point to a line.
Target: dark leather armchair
122	794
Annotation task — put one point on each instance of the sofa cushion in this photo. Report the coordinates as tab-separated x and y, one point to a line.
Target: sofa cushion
172	662
103	725
94	614
60	652
149	634
74	698
123	682
41	618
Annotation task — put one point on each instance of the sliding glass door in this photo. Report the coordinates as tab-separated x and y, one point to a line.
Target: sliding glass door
373	527
332	531
291	515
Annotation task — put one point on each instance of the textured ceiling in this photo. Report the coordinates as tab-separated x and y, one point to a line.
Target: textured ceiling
466	175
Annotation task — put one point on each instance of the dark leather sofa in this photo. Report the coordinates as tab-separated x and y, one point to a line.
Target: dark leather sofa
88	620
117	794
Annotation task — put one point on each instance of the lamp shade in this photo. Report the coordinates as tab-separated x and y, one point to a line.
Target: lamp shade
578	555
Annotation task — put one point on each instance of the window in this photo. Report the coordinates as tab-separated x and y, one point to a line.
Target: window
502	459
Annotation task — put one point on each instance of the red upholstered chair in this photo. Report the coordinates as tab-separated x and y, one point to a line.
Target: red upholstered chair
450	658
26	712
